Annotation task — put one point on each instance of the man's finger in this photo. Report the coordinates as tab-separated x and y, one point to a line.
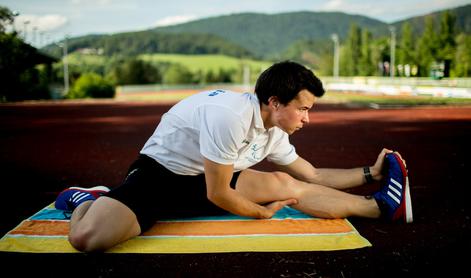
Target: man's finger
289	202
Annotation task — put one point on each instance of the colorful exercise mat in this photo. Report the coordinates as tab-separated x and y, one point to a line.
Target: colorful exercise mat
289	230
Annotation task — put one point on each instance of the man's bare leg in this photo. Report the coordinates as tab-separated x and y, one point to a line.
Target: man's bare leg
101	224
313	199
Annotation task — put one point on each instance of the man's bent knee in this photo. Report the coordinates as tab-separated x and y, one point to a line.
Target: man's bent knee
84	238
106	223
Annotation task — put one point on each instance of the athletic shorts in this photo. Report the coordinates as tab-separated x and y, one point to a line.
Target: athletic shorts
154	193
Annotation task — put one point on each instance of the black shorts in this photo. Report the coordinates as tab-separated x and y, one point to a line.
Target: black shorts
153	193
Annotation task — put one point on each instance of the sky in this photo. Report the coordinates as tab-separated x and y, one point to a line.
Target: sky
46	21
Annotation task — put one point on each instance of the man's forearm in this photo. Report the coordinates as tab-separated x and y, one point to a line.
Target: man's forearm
339	178
235	203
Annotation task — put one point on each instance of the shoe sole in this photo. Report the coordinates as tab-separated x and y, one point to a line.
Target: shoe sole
92	189
407	202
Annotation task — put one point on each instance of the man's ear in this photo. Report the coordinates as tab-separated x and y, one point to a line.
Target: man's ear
273	101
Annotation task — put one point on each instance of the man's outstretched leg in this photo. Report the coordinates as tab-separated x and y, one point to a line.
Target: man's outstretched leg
313	199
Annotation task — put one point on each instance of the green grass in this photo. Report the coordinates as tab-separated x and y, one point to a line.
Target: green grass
192	62
207	62
86	59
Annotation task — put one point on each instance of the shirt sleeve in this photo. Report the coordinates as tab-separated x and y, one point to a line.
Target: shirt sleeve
283	152
221	133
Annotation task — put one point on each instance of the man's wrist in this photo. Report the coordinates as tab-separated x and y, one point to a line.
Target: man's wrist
367	175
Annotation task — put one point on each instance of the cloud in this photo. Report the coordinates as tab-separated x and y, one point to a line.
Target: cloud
172	20
355	7
48	22
84	2
333	5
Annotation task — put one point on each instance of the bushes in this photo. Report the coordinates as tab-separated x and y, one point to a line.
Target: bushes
91	85
177	74
134	71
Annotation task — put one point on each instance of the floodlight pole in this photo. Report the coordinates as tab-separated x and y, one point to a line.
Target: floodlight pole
66	66
35	36
25	29
392	66
335	38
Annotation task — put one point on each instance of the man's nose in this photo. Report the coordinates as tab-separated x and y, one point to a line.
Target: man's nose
306	117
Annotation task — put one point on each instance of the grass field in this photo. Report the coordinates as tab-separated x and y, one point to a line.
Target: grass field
207	62
204	62
86	59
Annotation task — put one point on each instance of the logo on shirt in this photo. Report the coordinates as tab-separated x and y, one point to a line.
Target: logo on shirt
256	152
215	93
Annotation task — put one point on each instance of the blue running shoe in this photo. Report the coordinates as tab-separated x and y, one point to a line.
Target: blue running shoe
72	197
394	196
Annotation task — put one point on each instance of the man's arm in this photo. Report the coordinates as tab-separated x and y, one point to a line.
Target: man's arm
218	177
336	178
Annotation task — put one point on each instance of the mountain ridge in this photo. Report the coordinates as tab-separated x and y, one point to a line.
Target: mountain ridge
250	34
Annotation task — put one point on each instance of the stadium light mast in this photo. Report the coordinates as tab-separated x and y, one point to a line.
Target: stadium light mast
66	66
392	66
35	36
25	29
335	38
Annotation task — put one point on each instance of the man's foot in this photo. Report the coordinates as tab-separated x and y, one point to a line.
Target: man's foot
394	196
72	197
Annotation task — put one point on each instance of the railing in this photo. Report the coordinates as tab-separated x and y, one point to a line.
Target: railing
402	81
457	87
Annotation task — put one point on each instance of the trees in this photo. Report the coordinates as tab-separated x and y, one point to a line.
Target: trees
406	51
427	48
437	52
19	76
177	74
462	58
366	65
357	53
6	18
446	41
437	49
352	51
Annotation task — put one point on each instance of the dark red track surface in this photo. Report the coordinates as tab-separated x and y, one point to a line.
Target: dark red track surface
46	147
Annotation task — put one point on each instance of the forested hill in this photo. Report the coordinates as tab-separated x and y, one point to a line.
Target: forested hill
268	35
135	43
462	14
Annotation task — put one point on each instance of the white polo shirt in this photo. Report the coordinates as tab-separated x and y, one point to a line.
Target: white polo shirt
223	126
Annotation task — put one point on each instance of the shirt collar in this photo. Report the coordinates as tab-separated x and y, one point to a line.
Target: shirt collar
257	113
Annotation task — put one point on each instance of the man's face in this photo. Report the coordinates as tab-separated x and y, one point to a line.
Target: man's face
294	115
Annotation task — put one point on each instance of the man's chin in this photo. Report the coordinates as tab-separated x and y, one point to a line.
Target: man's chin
291	131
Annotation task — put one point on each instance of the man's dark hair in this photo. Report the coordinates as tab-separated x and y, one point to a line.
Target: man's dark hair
285	80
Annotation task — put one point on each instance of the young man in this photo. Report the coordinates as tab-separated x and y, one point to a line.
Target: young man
198	162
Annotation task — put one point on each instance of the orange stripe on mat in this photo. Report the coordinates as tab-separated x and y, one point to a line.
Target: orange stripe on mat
205	228
251	227
42	228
